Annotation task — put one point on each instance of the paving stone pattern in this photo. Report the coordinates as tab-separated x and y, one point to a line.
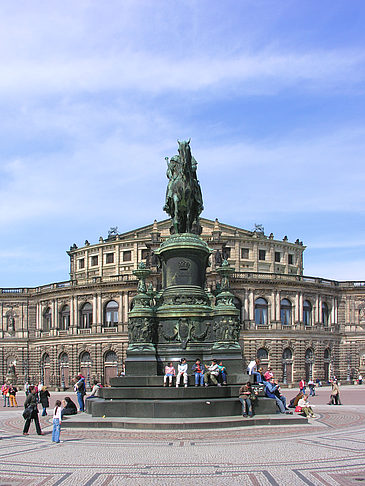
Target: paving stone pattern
329	451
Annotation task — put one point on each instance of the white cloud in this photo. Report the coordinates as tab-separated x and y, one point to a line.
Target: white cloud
264	72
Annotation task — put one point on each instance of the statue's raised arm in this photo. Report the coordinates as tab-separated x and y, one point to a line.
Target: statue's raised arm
184	201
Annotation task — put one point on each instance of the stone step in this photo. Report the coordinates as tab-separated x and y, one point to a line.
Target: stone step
168	393
175	408
87	422
157	380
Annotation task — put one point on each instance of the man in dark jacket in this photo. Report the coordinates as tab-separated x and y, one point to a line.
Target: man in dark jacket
80	389
31	402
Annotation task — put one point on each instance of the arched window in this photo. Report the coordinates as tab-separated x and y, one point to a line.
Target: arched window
324	314
111	314
287	354
285	312
110	366
261	311
262	354
85	359
309	355
110	357
86	316
309	359
47	319
86	366
64	371
64	318
45	369
287	366
307	313
327	354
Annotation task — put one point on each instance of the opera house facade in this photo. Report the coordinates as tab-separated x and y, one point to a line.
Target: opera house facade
302	326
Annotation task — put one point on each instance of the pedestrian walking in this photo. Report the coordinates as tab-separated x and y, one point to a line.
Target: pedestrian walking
57	414
44	396
335	394
312	389
31	412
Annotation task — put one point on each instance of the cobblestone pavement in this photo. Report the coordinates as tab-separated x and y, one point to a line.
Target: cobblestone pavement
328	451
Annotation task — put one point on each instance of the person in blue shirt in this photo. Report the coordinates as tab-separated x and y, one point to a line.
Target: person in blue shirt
272	390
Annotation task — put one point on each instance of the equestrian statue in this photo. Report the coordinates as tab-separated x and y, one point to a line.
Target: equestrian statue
184	201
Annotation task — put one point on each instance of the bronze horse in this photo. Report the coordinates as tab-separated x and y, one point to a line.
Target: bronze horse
184	201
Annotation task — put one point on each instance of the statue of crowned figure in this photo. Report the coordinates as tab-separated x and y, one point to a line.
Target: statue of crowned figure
184	201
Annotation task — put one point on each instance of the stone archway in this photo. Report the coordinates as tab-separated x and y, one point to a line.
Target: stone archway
64	371
110	366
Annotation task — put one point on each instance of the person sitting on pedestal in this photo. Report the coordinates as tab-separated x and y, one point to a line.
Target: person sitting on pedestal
272	391
245	395
268	374
252	370
212	373
69	408
169	373
222	378
182	370
198	370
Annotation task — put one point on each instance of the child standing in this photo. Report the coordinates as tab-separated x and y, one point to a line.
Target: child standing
169	373
56	422
182	370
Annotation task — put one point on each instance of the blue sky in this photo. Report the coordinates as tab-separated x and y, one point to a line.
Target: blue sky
93	96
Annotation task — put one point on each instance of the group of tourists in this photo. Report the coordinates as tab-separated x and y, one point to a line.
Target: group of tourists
36	395
9	392
271	387
215	373
66	407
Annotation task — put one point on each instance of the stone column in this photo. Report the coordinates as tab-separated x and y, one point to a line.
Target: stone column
54	317
301	306
125	307
246	306
277	307
75	312
273	305
72	317
99	314
251	314
316	314
95	313
296	309
120	314
320	309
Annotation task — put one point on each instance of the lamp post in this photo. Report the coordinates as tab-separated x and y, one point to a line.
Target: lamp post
285	379
349	367
88	376
42	372
63	378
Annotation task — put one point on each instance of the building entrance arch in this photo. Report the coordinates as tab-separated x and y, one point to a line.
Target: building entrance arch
64	371
287	361
110	366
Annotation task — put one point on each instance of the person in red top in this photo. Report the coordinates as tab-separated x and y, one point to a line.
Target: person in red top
5	392
268	374
302	386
